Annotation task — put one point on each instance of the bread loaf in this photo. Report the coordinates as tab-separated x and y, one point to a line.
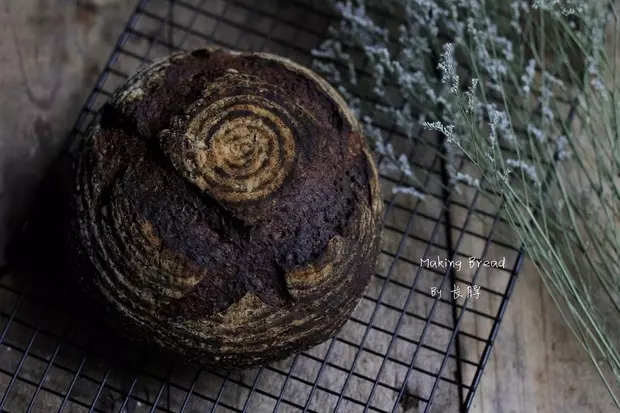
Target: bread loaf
225	208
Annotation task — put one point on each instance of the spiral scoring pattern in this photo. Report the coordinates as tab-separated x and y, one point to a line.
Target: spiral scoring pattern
240	145
240	138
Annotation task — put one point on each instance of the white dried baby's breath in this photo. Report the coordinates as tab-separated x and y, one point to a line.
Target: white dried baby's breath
404	80
528	169
407	190
528	76
447	67
446	130
507	122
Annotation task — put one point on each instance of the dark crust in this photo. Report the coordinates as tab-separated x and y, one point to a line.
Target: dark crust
131	202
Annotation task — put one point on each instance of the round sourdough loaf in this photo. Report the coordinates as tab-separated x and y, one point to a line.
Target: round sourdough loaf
225	208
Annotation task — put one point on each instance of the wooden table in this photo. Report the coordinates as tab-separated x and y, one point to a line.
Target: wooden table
50	54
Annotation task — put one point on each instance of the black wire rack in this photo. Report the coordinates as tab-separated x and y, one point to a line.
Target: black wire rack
407	348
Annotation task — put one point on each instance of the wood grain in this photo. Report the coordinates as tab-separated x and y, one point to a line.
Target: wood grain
51	53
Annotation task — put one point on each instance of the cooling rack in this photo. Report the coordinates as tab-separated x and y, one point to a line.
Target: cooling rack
407	348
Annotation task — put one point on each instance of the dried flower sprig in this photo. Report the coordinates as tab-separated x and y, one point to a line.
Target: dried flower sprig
493	85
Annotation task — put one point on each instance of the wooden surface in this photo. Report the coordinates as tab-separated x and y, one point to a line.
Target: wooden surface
50	54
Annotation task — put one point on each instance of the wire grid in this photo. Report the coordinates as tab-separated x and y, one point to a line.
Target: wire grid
406	348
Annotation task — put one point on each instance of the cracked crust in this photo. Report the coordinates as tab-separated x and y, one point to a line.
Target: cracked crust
225	208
